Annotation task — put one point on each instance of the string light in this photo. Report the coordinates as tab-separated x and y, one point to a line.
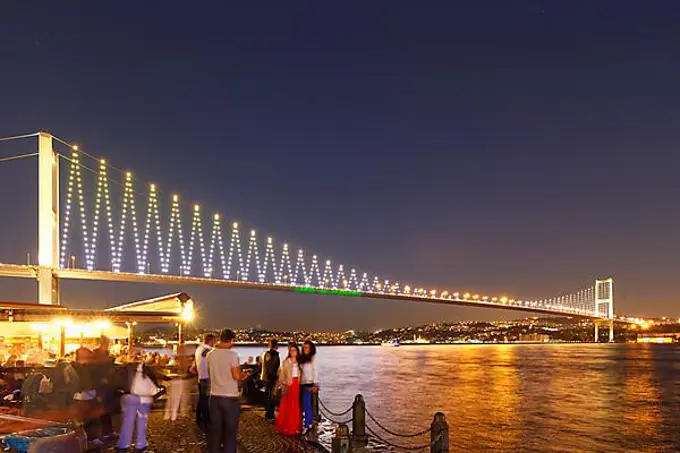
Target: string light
315	271
235	247
152	215
340	278
301	270
353	281
128	205
67	209
102	193
282	271
176	228
285	266
254	255
364	285
327	279
270	258
196	235
216	239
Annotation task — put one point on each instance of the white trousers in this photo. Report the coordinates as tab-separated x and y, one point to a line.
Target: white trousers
178	399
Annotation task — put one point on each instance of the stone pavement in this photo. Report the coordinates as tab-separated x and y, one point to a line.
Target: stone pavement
256	435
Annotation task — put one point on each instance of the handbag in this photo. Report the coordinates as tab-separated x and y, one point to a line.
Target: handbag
142	385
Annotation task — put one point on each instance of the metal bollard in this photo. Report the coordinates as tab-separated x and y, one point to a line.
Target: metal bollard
359	436
341	442
439	434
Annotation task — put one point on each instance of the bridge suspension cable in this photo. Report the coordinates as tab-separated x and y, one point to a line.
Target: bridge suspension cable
145	231
18	156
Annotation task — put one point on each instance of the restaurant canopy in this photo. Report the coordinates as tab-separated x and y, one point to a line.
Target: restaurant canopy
172	308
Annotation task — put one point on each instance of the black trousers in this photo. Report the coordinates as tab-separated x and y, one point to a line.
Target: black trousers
224	416
203	405
269	403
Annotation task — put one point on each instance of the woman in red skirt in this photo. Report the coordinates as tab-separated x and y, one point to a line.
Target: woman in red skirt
289	421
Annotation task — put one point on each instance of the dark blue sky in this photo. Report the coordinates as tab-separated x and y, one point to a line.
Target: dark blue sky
524	147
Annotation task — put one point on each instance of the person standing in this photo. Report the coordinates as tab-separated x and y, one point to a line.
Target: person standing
289	420
178	395
309	383
139	385
203	407
270	370
103	368
224	372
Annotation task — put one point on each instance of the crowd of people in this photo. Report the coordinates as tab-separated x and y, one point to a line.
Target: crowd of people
91	385
288	384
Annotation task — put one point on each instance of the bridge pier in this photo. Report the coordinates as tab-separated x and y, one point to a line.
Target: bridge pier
597	333
611	330
48	221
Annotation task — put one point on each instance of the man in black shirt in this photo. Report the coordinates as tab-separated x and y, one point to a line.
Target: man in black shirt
270	371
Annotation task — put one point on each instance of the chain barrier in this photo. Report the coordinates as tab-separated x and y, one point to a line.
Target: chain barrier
328	417
400	447
389	431
336	414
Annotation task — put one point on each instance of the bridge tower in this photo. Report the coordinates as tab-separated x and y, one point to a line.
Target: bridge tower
604	304
48	221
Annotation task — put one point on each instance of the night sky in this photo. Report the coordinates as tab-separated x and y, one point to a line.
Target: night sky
517	147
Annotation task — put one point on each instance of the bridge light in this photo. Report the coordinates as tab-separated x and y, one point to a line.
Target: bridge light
475	297
269	240
128	175
433	292
217	217
456	295
466	296
444	294
175	198
75	147
512	301
252	233
485	298
504	299
494	299
407	289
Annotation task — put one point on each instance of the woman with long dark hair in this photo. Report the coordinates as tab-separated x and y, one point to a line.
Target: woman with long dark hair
288	421
309	383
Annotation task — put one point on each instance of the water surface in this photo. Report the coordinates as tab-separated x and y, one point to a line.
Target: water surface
514	398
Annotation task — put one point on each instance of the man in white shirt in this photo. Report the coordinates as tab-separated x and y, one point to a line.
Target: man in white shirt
225	371
202	408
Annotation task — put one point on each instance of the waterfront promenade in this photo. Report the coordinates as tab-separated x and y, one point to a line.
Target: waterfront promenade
256	435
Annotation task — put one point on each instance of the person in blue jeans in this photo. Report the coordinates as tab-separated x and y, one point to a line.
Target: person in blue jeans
224	371
139	385
309	385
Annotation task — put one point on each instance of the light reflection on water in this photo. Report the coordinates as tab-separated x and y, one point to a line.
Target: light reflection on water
515	398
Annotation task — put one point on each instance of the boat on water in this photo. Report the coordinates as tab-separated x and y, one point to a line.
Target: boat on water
390	344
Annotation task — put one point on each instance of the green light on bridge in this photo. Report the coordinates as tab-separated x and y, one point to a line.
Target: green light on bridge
335	292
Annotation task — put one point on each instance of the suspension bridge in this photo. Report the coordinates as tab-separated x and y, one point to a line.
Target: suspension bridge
96	222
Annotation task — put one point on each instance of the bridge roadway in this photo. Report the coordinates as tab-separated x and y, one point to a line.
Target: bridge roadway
25	271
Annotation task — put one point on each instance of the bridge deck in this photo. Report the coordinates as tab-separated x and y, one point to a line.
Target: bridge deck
9	270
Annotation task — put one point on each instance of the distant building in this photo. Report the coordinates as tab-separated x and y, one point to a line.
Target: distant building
534	338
